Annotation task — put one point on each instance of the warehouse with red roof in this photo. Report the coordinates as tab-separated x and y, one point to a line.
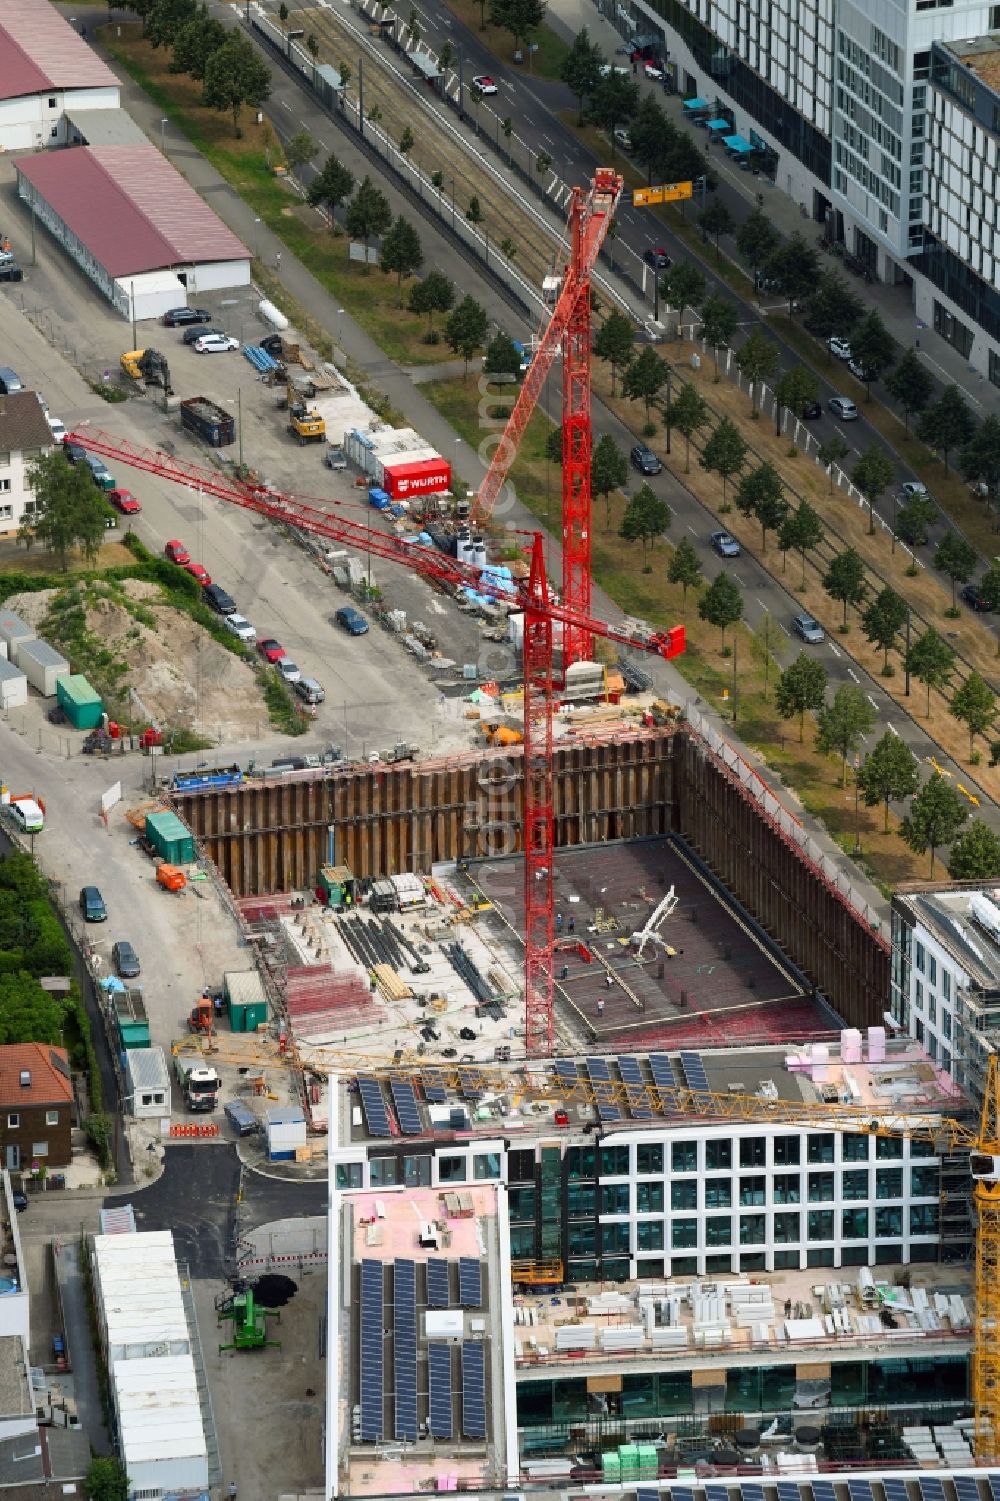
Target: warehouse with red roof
46	69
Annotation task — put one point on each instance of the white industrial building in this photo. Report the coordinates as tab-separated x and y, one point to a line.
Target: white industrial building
24	436
140	232
160	1428
46	69
148	1082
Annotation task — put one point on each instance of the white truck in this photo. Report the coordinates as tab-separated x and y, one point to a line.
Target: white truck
199	1084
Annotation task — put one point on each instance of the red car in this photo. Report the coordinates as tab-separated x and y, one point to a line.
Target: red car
272	651
124	501
177	553
197	572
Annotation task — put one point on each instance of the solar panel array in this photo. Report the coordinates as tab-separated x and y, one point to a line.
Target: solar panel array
470	1282
604	1093
404	1347
788	1490
437	1283
994	1484
965	1488
439	1376
405	1102
694	1071
432	1080
373	1104
861	1490
473	1390
663	1077
635	1089
566	1070
372	1403
931	1487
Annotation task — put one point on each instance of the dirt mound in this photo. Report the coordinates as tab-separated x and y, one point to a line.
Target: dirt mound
176	675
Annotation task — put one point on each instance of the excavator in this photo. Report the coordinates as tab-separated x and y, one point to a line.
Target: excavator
148	366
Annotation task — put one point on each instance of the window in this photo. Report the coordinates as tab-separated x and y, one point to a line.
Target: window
924	1182
945	1022
889	1148
682	1195
753	1151
821	1147
615	1237
649	1157
787	1150
684	1156
52	103
718	1155
649	1197
40	1149
718	1230
13	1121
522	1203
919	959
855	1183
581	1201
52	1116
649	1235
931	970
614	1162
417	1172
4	486
383	1172
787	1228
54	133
753	1190
889	1183
684	1234
854	1224
918	996
582	1239
888	1222
486	1165
522	1242
787	1188
4	459
932	1010
945	985
614	1198
452	1170
718	1193
580	1162
753	1229
854	1148
348	1174
819	1224
821	1188
923	1219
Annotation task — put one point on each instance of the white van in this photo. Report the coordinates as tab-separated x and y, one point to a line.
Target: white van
28	816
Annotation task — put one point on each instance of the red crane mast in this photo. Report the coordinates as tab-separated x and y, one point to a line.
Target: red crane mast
540	613
569	330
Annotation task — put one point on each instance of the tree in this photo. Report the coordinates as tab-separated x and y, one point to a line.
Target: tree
283	14
646	518
105	1480
504	358
446	56
402	253
882	622
720	319
651	134
975	854
844	722
519	17
873	347
935	817
683	286
613	103
684	567
235	76
947	423
580	70
407	141
979	460
688	414
70	511
167	19
608	470
194	44
801	687
757	359
872	475
845	579
615	342
914	519
974	705
957	559
910	384
554	446
725	452
889	773
801	530
795	265
301	150
715	222
792	390
830	454
644	378
834	308
331	187
466	329
413	26
312	44
761	494
930	660
368	213
435	294
756	239
722	603
762	643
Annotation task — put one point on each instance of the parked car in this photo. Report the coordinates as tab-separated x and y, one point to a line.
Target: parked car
809	629
181	315
657	258
74	453
92	905
725	545
310	691
810	411
125	960
910	488
840	348
220	599
351	620
56	427
199	331
177	552
100	473
654	71
335	457
272	651
19	1199
484	83
216	344
975	599
844	408
288	670
124	501
860	372
10	381
11	271
199	574
622	138
241	628
645	460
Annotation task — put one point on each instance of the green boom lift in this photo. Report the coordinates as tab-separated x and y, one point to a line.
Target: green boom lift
249	1321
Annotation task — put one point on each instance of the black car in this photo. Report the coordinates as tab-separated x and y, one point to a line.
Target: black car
125	960
74	453
198	331
219	599
179	315
658	258
11	271
810	411
975	599
645	460
19	1199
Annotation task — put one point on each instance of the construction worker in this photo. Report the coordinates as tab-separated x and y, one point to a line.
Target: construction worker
600	1008
232	1490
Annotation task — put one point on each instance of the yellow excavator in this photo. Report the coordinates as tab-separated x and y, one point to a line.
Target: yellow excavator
305	423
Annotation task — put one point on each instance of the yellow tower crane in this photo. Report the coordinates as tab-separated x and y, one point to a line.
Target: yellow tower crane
670	1103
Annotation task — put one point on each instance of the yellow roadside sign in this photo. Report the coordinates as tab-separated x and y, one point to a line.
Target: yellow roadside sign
667	192
642	196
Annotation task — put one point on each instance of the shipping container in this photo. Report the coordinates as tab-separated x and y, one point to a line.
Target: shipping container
406	481
78	701
14	629
245	999
171	840
41	664
148	1082
210	422
13	686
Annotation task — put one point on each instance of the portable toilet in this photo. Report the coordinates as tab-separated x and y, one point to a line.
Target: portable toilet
170	838
78	701
245	999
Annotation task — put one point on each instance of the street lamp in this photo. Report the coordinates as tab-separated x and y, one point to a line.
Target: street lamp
670	388
340	325
163	126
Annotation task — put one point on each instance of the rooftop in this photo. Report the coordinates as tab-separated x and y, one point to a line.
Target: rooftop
981	55
45	1069
39	50
130	208
966	920
106	127
16	1399
22	423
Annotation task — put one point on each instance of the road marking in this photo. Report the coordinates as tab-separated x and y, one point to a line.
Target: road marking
692	530
285	105
323	145
739	580
852	674
760	601
785	629
892	730
872	702
834	649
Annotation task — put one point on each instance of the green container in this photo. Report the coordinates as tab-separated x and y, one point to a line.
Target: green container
611	1467
247	1016
78	701
170	838
629	1457
245	999
648	1464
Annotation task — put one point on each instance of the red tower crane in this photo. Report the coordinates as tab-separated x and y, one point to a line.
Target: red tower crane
569	330
540	613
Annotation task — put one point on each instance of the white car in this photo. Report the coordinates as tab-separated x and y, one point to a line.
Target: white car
288	670
56	427
484	83
911	487
840	348
654	71
216	344
844	408
605	71
241	628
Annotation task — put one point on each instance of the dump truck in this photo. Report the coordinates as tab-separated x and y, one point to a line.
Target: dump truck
127	1011
305	423
199	1083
